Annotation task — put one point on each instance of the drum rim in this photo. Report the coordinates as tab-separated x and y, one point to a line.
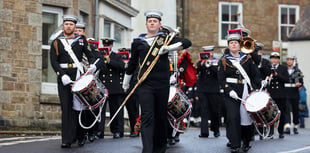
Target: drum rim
89	73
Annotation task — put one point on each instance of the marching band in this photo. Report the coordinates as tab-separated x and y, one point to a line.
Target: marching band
89	76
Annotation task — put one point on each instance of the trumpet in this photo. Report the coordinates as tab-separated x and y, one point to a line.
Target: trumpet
247	45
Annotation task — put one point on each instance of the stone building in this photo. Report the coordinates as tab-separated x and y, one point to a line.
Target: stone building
28	90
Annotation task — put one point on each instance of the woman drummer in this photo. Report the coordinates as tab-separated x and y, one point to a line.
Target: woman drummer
239	124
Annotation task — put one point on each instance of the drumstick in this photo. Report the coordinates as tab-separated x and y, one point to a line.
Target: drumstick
97	60
243	101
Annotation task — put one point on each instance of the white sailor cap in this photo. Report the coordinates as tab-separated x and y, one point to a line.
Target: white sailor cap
107	41
208	48
275	55
80	25
260	45
233	36
72	18
153	14
290	57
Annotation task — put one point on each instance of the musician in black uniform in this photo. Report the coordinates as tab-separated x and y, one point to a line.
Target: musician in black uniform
113	80
153	93
209	93
239	124
67	70
277	90
295	81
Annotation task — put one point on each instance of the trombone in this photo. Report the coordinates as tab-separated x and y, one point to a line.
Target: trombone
247	45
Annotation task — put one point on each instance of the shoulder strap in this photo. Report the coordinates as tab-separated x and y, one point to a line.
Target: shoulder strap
72	55
242	71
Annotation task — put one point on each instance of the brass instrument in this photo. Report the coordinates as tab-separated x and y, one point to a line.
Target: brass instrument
247	45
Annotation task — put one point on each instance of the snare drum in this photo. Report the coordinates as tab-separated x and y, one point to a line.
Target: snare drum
179	106
90	91
263	109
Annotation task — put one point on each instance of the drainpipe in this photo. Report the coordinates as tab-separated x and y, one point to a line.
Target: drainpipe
96	21
183	18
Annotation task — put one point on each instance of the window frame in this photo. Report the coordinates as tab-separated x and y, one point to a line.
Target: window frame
223	42
296	7
49	87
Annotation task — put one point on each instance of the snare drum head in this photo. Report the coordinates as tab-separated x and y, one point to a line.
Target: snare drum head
172	92
256	101
82	82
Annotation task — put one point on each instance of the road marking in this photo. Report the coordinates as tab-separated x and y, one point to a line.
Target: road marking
20	140
296	150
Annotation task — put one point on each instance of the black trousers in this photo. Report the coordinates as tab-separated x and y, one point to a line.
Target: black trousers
292	106
99	126
209	110
115	101
132	107
78	130
67	114
154	113
234	131
281	103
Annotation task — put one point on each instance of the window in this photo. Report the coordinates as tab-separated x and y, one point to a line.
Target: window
115	31
228	19
51	20
288	16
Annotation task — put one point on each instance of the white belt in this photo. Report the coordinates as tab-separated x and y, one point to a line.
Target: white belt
68	65
289	85
235	80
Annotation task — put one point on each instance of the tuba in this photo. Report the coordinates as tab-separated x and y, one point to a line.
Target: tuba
247	45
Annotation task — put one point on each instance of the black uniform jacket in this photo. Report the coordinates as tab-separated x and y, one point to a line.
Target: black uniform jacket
227	70
293	92
276	87
113	77
207	78
159	76
59	55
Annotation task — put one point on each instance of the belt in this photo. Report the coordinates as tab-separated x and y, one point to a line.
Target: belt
68	65
289	85
235	80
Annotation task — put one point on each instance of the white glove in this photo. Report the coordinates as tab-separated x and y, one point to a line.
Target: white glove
233	94
264	83
126	81
173	79
173	47
66	80
92	68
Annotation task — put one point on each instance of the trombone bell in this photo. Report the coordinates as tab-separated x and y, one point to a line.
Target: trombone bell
247	45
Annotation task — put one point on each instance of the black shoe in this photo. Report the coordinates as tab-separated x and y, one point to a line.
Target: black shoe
295	131
133	134
65	145
216	134
81	142
177	138
228	144
99	135
117	135
203	135
234	150
287	131
281	136
171	141
246	146
91	138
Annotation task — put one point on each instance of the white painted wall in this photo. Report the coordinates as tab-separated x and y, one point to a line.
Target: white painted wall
301	49
168	7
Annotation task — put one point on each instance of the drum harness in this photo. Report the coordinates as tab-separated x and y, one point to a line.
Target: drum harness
68	48
154	50
264	134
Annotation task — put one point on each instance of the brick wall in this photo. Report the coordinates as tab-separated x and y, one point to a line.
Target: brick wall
201	21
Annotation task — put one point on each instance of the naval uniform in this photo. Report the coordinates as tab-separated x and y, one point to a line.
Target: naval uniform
113	80
63	64
152	94
230	79
278	93
209	97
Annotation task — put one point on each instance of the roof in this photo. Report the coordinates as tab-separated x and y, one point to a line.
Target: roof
302	29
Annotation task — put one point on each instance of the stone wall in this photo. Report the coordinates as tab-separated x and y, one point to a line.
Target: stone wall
21	102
